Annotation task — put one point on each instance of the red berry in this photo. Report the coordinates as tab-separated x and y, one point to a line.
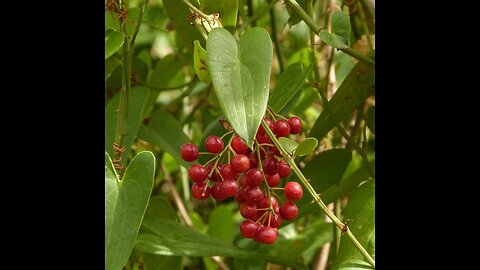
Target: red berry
253	160
240	196
283	169
238	145
215	176
243	181
249	228
266	204
189	152
275	221
288	211
254	177
281	128
197	173
261	130
240	163
273	180
227	172
267	235
214	144
200	191
216	192
253	194
263	139
293	191
248	210
276	152
269	165
229	188
295	125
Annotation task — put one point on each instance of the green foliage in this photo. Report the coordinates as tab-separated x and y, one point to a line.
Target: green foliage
289	83
113	42
200	62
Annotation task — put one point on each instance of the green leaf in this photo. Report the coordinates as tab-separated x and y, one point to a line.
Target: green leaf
289	144
361	210
341	25
157	262
240	76
178	13
354	264
111	20
200	62
332	39
137	99
125	205
220	224
228	11
165	132
171	238
294	17
358	86
113	42
370	118
306	147
289	83
131	22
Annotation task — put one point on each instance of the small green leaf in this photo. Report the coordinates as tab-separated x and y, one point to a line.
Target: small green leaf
332	39
358	86
113	42
354	264
289	144
341	25
240	76
361	211
200	62
370	117
294	17
289	83
220	224
178	13
157	262
306	147
111	20
137	99
125	205
228	11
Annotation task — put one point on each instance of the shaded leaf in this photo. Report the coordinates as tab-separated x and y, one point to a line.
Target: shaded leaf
289	144
294	17
340	25
306	147
354	265
125	205
228	11
157	262
220	224
137	99
288	85
178	12
359	85
240	75
332	39
370	118
113	42
200	62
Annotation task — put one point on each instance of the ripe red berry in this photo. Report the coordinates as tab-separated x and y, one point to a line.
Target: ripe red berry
281	128
275	221
248	210
269	165
267	235
227	172
266	204
240	196
295	125
243	181
275	151
293	191
288	211
238	145
249	228
215	176
200	191
273	180
261	130
229	188
254	177
214	144
216	192
197	173
240	163
283	169
253	194
253	160
189	152
263	139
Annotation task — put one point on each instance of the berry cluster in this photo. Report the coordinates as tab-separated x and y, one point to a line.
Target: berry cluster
251	176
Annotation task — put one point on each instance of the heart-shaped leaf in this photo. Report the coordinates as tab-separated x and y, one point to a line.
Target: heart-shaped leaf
289	144
240	76
200	62
125	205
306	147
113	42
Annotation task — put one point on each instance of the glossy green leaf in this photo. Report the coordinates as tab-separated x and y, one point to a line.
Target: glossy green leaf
178	13
240	76
370	117
354	264
170	238
341	27
157	262
165	132
289	144
125	205
137	99
200	62
220	224
306	147
332	39
111	20
361	210
228	11
358	86
113	42
289	83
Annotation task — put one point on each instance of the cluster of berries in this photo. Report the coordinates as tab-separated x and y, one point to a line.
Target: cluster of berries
251	176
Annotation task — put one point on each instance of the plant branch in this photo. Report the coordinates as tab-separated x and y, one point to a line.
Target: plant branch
315	195
139	22
196	10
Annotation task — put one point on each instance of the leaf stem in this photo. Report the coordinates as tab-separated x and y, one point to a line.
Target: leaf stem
196	10
260	166
315	195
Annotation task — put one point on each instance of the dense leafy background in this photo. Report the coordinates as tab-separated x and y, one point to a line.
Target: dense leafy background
169	106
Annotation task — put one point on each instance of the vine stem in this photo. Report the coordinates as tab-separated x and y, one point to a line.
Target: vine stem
316	29
315	195
196	10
